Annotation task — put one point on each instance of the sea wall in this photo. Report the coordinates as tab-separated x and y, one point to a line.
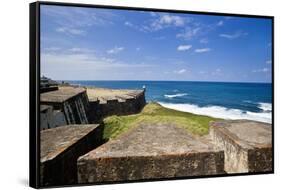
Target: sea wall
60	149
116	106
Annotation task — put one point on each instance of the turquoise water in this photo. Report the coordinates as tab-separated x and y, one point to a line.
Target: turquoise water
218	99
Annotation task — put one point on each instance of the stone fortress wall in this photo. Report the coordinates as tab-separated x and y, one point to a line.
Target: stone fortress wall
72	150
108	102
71	126
247	145
61	147
71	105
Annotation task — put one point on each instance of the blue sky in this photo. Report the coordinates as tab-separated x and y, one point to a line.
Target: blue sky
105	44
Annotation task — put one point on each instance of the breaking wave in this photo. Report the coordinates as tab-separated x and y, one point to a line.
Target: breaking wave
222	112
175	95
266	107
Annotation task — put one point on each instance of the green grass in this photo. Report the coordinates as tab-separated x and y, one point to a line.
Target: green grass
155	113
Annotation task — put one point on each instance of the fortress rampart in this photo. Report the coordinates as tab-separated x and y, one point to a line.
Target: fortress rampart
76	105
60	149
73	149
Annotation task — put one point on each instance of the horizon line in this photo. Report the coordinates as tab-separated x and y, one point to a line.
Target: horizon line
166	81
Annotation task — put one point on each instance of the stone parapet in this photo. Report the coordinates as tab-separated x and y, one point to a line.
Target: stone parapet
150	152
247	145
60	148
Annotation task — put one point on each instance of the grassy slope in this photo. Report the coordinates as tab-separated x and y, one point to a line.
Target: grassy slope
155	113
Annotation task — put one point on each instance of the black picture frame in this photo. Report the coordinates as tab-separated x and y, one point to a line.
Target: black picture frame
34	86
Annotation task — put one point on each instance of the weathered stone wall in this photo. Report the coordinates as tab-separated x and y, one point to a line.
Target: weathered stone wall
50	118
260	160
75	109
60	149
149	167
72	102
235	157
99	110
150	152
48	89
246	144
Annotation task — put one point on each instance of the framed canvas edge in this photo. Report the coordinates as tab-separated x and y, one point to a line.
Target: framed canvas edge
34	87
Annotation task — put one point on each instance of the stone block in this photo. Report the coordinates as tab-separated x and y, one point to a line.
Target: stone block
60	148
150	152
247	145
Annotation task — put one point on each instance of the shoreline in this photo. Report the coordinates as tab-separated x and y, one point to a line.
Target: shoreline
211	110
220	112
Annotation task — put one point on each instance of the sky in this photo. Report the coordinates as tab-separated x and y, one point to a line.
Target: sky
79	43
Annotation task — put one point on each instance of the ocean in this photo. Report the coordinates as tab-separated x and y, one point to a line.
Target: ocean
225	100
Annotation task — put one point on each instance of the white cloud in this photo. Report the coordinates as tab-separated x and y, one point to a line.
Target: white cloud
263	70
128	24
268	62
131	25
138	49
115	50
181	71
234	35
217	72
167	20
220	23
160	21
184	47
174	20
68	65
52	49
204	41
80	50
188	33
71	31
195	29
73	20
202	50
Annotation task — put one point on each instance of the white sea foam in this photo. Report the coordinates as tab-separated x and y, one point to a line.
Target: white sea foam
266	107
175	95
220	112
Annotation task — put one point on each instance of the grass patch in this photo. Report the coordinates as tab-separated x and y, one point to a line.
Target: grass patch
155	113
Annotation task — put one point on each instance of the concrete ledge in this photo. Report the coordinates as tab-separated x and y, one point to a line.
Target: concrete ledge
150	152
246	144
60	149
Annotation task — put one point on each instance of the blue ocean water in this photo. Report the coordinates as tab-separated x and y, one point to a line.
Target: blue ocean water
218	99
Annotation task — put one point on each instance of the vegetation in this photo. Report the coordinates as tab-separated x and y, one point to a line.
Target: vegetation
155	113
